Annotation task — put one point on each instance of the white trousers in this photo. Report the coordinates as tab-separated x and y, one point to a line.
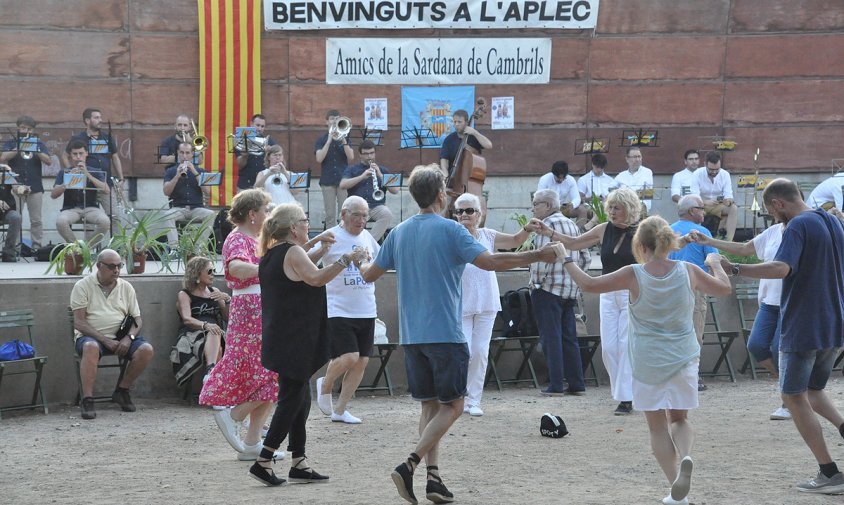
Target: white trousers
477	328
614	350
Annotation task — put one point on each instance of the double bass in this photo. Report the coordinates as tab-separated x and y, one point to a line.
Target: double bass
468	170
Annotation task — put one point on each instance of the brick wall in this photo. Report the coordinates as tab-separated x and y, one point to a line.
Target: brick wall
768	73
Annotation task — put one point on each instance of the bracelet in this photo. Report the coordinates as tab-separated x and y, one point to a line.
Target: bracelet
203	326
343	261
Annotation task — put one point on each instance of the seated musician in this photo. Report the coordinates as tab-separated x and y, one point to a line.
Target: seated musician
451	145
168	147
596	182
358	180
275	179
637	177
78	204
716	190
829	195
559	180
187	197
11	217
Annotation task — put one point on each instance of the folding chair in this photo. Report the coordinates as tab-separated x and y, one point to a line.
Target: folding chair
500	344
588	347
384	352
723	339
746	296
17	320
113	361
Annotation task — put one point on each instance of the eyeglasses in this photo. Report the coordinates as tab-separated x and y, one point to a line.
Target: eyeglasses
306	221
359	215
468	212
211	271
699	208
540	203
112	266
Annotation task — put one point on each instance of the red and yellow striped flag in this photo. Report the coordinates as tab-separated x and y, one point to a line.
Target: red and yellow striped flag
229	81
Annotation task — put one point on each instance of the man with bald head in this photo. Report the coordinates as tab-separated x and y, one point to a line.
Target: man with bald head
167	150
101	303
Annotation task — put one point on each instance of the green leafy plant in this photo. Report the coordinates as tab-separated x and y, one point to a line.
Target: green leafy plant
597	207
75	257
192	243
522	220
140	235
744	260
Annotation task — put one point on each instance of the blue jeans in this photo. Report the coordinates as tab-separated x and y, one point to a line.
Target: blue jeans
558	335
764	340
436	371
802	370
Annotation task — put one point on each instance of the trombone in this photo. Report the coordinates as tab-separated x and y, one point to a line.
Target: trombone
200	142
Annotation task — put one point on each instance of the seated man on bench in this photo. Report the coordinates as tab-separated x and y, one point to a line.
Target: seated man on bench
187	197
100	303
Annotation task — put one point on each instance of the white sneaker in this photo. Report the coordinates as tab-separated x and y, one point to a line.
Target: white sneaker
668	500
466	408
325	403
228	426
251	452
345	418
681	486
476	411
781	414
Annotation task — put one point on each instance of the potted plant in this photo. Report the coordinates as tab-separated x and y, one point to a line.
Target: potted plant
597	208
73	258
522	220
133	240
192	243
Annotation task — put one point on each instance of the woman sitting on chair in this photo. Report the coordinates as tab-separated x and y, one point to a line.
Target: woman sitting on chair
202	308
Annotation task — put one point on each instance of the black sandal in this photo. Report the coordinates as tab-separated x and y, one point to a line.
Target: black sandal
305	476
435	490
265	475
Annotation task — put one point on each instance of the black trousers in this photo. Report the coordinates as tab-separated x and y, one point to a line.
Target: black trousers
291	414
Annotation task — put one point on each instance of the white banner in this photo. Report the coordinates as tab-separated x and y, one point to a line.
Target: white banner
403	15
437	61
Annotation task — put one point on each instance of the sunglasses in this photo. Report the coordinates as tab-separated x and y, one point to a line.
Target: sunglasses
211	271
112	266
468	212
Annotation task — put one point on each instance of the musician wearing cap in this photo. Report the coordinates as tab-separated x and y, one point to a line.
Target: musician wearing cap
366	180
168	147
81	205
275	179
334	154
187	197
27	165
9	216
102	153
451	145
250	157
716	190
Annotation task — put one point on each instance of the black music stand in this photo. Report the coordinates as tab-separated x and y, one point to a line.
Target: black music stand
395	180
641	137
418	138
358	135
302	181
590	146
718	143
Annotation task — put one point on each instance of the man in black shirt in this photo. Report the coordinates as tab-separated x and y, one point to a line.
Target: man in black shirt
102	154
333	155
187	197
10	217
81	205
250	161
451	144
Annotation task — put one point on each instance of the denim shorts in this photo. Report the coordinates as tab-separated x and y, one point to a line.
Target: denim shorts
803	370
80	343
436	371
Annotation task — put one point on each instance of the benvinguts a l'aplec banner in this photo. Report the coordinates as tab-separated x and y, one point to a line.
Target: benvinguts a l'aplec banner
470	14
437	61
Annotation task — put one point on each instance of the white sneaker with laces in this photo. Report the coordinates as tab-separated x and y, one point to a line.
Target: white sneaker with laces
251	452
668	500
228	426
475	411
781	414
345	418
325	402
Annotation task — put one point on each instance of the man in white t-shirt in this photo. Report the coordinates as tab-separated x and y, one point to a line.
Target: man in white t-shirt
559	180
684	182
637	177
595	182
351	312
716	190
828	194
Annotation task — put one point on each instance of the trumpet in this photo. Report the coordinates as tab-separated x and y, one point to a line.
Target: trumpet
377	192
276	180
341	127
200	142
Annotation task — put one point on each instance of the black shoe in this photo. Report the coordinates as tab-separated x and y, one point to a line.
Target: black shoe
299	476
403	479
265	475
624	409
571	392
700	385
87	405
122	398
436	491
9	258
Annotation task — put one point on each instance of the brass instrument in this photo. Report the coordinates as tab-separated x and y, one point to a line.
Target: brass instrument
377	192
341	127
27	155
276	180
257	146
200	142
122	206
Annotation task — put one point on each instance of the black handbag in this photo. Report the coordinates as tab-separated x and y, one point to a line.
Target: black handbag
125	326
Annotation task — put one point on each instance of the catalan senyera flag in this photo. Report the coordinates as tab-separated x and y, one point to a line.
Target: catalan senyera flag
229	82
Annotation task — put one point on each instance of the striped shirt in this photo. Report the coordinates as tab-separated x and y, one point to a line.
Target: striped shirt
552	277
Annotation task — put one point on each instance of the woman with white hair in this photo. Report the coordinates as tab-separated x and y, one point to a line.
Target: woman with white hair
480	296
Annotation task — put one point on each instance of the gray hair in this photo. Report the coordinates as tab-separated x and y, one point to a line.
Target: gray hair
469	198
686	203
548	195
105	253
352	201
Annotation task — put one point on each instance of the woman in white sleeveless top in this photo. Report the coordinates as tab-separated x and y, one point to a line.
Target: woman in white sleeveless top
275	179
664	351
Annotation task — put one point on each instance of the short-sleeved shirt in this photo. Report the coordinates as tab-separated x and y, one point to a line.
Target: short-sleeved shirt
812	304
830	190
104	314
567	190
334	163
429	254
692	253
98	161
600	184
364	188
767	244
711	189
28	170
348	295
254	164
240	246
169	146
451	145
188	192
684	183
80	198
642	179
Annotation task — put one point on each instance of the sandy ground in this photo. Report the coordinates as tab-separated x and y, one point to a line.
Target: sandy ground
170	452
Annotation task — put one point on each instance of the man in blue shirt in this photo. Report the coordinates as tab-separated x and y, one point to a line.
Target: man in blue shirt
358	181
251	160
187	197
429	253
81	204
333	154
810	261
29	175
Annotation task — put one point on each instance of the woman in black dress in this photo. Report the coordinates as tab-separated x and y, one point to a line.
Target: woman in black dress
295	344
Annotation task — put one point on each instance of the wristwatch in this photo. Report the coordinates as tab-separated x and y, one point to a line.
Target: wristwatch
734	269
568	259
132	337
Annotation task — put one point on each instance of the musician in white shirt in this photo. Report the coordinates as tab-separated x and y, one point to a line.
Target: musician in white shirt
595	181
559	180
716	190
684	182
637	176
828	194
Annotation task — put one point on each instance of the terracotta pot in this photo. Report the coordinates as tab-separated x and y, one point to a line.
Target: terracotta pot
74	264
139	263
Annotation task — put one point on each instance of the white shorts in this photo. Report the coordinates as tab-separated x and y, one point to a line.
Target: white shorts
678	393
